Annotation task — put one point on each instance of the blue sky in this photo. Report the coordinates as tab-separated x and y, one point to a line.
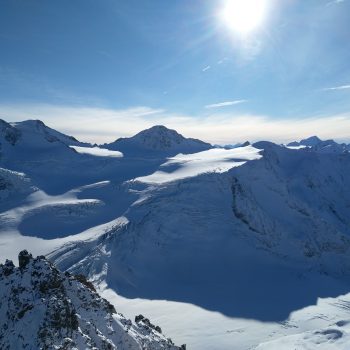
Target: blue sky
120	66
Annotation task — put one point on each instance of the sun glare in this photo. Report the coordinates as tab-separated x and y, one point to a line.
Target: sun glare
244	16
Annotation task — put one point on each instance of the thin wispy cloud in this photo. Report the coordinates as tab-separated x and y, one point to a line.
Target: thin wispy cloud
335	2
206	68
225	104
102	125
222	60
341	87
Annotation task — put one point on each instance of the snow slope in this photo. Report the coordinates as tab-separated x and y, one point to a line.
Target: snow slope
183	166
324	325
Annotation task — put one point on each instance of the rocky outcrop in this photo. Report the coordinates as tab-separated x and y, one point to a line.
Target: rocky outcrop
43	308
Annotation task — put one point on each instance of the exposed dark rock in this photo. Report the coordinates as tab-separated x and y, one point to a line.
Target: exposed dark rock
24	310
7	268
139	318
82	279
23	259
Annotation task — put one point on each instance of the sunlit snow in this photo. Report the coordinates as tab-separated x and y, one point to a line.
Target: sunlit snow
99	152
188	165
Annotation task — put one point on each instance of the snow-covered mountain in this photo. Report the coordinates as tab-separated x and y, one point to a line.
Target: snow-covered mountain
42	308
322	146
289	209
33	140
222	240
223	248
36	131
157	139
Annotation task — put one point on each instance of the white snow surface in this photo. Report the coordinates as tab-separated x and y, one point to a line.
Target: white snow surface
297	147
97	151
189	165
325	325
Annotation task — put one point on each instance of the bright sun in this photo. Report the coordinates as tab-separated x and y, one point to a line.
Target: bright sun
244	16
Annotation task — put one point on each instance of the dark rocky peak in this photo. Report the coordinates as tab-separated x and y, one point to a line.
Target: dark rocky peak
24	258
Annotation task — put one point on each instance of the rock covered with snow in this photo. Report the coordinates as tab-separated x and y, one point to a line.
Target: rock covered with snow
43	308
14	184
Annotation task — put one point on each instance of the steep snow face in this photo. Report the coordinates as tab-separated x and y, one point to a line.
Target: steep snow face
158	139
46	309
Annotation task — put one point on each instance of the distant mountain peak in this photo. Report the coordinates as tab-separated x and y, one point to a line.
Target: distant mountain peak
158	138
311	141
323	146
13	130
37	125
160	128
159	132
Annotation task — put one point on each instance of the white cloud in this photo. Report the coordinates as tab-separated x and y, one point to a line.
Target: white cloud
105	125
225	104
335	2
206	68
341	87
222	60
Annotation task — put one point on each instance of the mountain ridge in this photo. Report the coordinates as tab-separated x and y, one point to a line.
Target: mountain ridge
47	309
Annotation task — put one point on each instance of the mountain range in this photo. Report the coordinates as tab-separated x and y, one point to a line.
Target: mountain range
223	247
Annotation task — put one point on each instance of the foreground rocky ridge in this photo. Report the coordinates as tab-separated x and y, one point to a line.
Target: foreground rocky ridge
47	309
